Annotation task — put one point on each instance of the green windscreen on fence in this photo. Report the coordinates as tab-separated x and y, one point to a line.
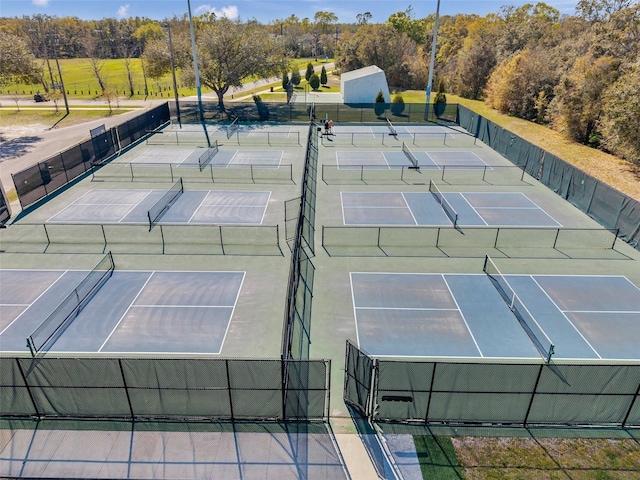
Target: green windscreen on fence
496	393
609	207
157	388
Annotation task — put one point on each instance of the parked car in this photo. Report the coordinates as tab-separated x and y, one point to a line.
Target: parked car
39	97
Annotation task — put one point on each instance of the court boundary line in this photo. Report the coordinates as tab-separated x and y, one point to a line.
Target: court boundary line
462	315
409	208
35	300
125	313
566	318
136	205
355	315
233	311
626	312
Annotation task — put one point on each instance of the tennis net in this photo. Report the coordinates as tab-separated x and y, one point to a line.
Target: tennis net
392	129
207	156
537	335
57	322
164	203
231	129
444	203
412	158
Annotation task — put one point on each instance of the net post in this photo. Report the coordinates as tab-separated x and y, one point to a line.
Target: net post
131	168
171	172
484	172
126	388
484	266
555	240
221	239
444	167
104	236
615	238
238	137
444	142
551	352
226	364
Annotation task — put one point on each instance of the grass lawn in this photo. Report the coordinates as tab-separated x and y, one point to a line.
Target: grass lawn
534	458
49	118
437	457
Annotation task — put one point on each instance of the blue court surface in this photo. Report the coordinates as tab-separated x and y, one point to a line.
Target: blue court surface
188	157
465	316
494	209
133	311
198	206
429	160
402	131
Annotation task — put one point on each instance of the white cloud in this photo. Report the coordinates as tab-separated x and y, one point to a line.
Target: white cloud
123	11
231	12
40	3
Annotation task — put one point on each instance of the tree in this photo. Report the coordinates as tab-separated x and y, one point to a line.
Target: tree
18	63
515	84
363	18
620	120
56	97
309	71
577	106
230	52
403	22
295	77
324	20
314	81
323	76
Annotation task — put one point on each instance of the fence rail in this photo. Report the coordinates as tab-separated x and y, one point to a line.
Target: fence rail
170	172
164	239
414	238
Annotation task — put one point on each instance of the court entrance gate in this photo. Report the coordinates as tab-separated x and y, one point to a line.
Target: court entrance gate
513	393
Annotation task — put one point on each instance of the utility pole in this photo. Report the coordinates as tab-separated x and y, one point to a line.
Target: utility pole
195	63
433	59
173	74
55	42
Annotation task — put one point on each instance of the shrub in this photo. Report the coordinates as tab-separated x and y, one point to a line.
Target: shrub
314	81
285	80
295	77
397	105
309	72
323	76
379	106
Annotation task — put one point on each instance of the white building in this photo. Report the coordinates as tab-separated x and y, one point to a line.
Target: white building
363	85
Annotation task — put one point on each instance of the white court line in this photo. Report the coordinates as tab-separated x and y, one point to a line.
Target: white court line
232	159
266	205
409	208
474	208
601	311
198	207
233	310
181	306
542	210
355	314
384	157
510	208
411	308
563	314
14	304
461	314
72	203
134	206
125	313
34	301
344	220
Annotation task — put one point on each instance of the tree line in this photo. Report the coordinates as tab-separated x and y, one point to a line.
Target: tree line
579	73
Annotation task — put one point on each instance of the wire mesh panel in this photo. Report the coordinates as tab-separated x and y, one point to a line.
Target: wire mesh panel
358	378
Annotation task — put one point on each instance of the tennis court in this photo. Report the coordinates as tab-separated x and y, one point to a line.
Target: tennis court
465	315
434	160
437	209
402	131
134	205
131	311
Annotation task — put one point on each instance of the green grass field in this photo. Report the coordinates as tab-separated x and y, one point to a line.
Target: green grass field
80	83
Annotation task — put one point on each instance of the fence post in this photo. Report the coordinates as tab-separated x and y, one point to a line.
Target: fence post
126	389
226	363
24	379
633	402
533	394
433	377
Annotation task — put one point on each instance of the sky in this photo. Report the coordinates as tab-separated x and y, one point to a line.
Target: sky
264	11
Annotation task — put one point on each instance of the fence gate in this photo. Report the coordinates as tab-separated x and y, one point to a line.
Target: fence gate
359	379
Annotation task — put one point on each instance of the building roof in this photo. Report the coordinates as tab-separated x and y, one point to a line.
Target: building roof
361	72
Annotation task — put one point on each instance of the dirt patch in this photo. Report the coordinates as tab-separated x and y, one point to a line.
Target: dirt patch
11	132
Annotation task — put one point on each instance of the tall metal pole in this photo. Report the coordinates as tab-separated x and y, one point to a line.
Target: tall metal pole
433	59
64	92
195	63
173	73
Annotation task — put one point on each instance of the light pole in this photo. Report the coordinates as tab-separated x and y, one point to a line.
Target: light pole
433	59
173	74
64	92
195	63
